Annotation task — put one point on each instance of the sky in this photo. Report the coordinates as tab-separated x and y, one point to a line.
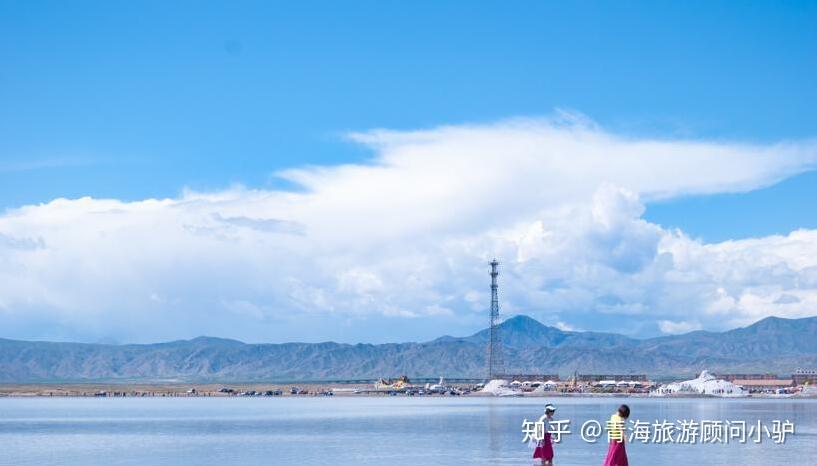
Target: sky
321	171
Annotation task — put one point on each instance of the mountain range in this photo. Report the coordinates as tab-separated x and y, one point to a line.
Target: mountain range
772	345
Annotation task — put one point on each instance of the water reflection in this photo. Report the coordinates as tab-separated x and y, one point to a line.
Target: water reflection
363	431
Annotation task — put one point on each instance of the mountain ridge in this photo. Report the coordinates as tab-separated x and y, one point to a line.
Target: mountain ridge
773	344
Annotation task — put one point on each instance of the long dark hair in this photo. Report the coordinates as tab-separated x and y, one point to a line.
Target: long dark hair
624	411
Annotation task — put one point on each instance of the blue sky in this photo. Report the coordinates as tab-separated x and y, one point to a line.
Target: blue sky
132	100
139	100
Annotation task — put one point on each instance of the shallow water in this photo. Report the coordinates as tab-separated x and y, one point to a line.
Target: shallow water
366	431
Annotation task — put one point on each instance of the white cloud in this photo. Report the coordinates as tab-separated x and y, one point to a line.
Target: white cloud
409	235
668	326
564	327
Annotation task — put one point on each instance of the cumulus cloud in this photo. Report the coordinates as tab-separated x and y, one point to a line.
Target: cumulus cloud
269	225
403	241
11	242
670	327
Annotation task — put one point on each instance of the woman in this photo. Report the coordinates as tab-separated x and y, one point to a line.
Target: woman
544	449
617	454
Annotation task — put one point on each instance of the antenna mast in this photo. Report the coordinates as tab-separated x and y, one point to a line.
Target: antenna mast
496	363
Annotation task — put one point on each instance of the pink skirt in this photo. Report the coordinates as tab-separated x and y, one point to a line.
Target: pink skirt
544	449
616	455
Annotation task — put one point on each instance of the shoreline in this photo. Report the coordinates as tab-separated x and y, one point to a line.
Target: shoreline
277	390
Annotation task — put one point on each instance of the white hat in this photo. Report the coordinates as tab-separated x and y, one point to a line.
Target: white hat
550	407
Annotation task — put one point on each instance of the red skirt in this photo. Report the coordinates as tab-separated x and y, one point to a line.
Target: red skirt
616	455
544	449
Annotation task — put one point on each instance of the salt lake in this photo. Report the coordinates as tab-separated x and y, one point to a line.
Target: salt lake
370	431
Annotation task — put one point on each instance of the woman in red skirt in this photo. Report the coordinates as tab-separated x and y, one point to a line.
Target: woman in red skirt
544	449
617	454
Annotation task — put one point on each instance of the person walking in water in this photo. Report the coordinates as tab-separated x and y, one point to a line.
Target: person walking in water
616	428
544	449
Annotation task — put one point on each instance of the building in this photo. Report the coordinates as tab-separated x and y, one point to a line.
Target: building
764	385
801	376
733	377
594	378
532	377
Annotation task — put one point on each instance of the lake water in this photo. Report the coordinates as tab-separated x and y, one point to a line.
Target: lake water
366	431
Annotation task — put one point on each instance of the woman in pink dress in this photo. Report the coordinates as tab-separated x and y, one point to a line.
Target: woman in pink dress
617	454
544	449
